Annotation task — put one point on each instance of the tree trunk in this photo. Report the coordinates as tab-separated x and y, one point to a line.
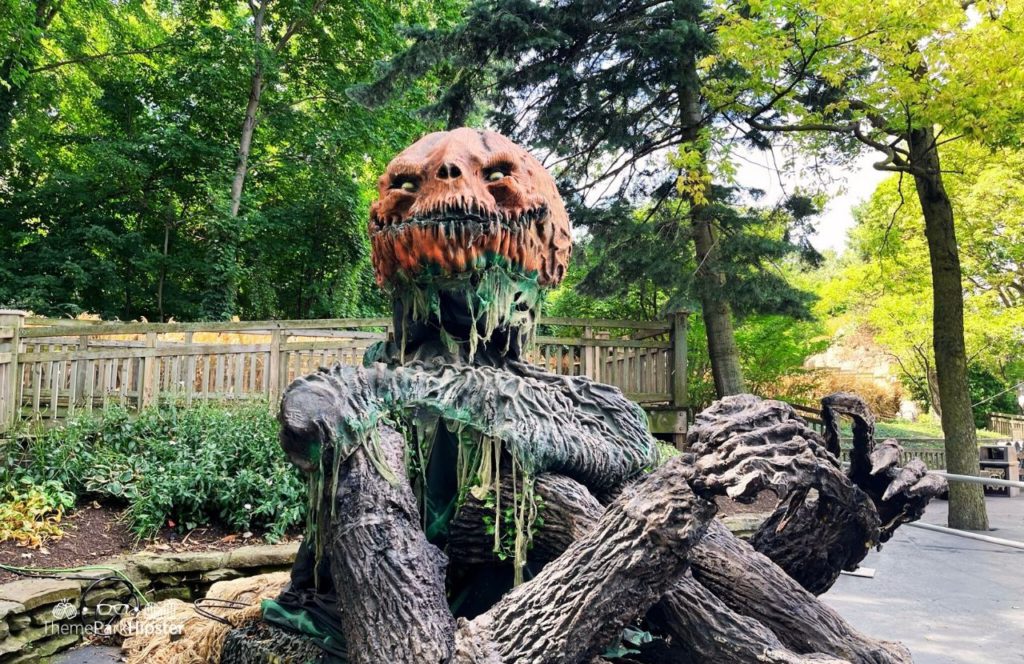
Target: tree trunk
579	603
248	127
966	501
725	356
389	577
220	299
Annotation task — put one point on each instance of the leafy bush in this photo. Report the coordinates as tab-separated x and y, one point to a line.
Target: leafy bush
30	514
192	467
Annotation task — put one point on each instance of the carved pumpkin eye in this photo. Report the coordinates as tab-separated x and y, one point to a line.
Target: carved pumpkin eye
497	172
406	183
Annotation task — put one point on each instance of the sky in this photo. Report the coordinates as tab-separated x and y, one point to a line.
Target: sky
849	186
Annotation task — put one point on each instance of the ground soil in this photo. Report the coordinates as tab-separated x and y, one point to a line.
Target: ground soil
95	533
764	503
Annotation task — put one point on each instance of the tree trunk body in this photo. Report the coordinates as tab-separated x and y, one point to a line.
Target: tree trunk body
725	356
966	501
248	128
390	579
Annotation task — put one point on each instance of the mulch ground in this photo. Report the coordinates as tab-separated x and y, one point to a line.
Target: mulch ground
96	533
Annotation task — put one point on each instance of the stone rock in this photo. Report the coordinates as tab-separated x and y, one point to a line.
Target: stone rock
4	629
56	644
184	594
266	555
20	621
223	574
32	593
101	595
44	616
33	634
179	563
29	656
744	525
11	645
7	608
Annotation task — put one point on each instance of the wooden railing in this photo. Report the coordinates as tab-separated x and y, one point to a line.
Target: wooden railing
53	369
1011	426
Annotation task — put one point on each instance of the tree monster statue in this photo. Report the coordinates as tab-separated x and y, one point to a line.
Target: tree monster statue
467	506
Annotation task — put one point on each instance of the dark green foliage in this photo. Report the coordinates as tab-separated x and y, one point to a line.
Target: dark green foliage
989	395
116	171
194	467
608	89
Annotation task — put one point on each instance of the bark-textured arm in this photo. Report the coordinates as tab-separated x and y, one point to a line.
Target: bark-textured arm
827	519
710	628
900	494
570	425
579	603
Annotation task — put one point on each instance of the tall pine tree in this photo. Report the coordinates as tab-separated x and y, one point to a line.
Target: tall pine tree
610	92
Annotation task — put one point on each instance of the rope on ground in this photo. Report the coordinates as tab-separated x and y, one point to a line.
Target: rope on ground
173	632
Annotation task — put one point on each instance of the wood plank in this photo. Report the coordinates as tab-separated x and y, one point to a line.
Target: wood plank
73	387
239	375
55	378
162	352
219	385
613	343
90	383
125	364
606	322
100	329
190	372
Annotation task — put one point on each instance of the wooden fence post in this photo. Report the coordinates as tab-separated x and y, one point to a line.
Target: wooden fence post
680	397
10	386
274	371
150	376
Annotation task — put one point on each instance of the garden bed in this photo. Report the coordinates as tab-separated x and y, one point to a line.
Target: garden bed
96	533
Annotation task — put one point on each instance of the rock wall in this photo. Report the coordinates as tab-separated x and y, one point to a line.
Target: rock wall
42	616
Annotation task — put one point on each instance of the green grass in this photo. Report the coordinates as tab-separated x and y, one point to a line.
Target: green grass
924	428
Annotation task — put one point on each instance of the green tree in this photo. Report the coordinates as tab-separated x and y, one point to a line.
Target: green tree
901	78
114	195
612	92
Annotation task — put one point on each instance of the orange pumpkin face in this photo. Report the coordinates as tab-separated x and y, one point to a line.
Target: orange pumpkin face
464	200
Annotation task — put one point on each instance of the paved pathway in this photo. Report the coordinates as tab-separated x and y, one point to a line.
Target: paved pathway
950	600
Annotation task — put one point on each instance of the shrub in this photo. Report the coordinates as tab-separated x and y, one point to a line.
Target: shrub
30	514
189	467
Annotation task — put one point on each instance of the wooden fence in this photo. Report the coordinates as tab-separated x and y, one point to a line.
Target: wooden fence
1011	426
53	369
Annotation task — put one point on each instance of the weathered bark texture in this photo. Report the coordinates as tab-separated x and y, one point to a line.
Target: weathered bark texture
576	427
715	633
899	494
752	585
966	501
570	512
580	602
744	445
710	628
390	580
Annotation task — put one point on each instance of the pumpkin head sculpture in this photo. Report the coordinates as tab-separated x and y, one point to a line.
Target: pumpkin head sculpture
468	220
